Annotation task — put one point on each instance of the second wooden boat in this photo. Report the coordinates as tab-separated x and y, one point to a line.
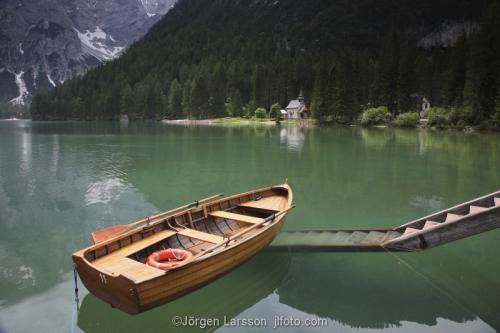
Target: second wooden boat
214	238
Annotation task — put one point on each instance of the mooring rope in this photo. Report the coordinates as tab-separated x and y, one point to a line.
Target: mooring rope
75	276
75	302
428	280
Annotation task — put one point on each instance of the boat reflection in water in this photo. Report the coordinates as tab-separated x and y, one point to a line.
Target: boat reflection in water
225	298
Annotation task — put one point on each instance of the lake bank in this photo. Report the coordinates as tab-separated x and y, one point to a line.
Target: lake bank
252	122
310	123
228	121
219	121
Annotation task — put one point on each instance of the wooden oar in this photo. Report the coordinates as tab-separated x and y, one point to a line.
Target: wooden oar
109	232
216	246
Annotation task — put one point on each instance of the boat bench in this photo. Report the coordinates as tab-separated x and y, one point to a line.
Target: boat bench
236	217
204	236
118	263
130	268
268	204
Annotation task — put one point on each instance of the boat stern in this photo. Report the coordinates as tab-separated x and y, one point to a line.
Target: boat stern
116	290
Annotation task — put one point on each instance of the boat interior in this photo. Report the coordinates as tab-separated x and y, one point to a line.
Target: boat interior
195	230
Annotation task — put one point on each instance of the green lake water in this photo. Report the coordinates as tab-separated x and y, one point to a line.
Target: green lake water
61	181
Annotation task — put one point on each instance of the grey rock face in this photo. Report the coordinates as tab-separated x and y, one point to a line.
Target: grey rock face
448	34
43	43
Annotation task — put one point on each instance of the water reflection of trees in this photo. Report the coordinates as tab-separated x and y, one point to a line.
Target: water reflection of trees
54	190
376	290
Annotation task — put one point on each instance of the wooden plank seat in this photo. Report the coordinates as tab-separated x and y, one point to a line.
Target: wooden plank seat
136	246
130	268
236	217
204	236
271	204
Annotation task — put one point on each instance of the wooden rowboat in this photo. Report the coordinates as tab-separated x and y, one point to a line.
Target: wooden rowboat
220	235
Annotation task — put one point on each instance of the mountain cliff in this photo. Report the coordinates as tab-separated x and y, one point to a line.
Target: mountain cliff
44	43
227	57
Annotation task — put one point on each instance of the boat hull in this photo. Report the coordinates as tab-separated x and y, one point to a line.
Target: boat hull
124	294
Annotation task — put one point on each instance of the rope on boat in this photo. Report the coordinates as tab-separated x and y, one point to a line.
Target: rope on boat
75	302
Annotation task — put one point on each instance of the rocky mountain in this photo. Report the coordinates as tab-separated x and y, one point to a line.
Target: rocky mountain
43	43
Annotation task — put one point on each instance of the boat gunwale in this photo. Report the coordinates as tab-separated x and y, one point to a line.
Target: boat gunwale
83	252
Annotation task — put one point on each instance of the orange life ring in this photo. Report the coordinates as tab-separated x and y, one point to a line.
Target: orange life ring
169	258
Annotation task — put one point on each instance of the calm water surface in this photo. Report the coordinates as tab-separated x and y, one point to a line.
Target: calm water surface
60	181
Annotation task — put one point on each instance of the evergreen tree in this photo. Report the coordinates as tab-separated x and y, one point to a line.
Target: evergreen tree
36	110
77	107
218	92
199	98
140	104
319	101
455	83
484	67
127	101
235	104
346	105
259	86
496	115
406	78
174	101
386	87
186	99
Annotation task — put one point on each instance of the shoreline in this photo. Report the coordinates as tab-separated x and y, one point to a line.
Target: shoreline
303	123
219	122
313	123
